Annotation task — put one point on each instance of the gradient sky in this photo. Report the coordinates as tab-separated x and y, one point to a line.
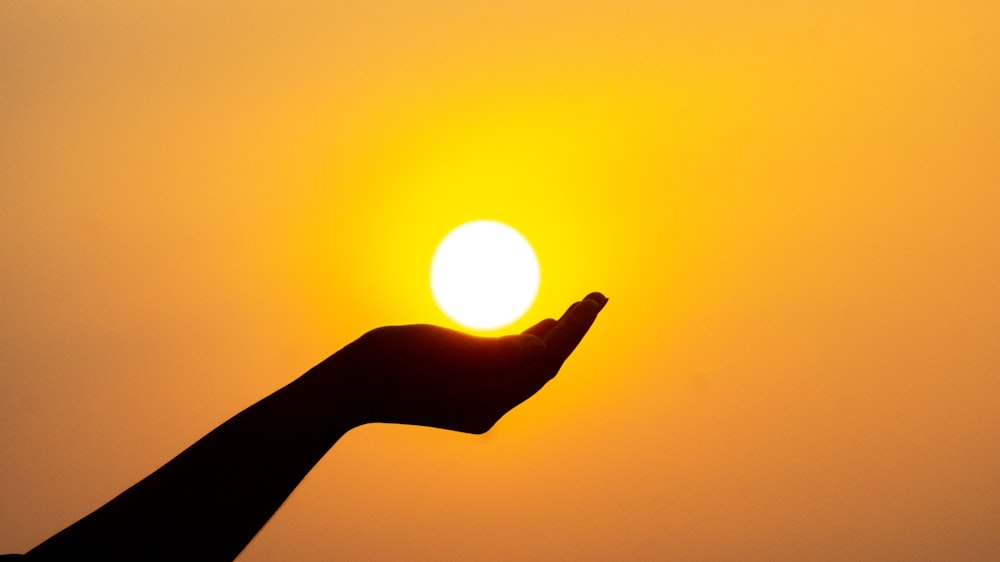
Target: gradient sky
793	207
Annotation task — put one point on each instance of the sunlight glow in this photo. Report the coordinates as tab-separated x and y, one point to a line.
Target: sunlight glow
484	275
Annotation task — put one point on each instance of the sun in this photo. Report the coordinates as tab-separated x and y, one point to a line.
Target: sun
484	275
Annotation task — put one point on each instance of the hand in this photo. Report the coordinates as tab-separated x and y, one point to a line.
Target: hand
436	377
213	498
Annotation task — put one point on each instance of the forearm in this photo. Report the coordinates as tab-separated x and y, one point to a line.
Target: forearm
209	501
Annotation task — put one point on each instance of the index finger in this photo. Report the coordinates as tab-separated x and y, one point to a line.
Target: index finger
563	338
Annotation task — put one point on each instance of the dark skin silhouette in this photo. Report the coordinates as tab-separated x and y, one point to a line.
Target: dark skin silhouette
208	502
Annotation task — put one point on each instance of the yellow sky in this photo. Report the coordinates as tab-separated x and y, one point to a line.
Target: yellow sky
792	207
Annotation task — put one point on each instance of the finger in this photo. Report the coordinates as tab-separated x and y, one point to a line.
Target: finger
541	328
456	351
568	310
492	355
509	352
563	338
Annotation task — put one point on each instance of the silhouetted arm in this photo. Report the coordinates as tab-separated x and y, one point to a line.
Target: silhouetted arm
209	501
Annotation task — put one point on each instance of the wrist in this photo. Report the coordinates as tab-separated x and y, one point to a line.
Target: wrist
328	394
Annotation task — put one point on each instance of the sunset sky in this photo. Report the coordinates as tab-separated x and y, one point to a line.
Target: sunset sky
794	208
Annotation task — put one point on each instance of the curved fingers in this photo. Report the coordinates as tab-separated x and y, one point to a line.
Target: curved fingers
566	334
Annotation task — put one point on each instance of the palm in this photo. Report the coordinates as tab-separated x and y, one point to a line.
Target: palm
428	375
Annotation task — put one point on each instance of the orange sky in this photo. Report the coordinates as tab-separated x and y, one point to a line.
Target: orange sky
793	208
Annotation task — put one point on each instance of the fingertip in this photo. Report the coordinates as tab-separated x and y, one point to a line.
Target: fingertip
564	337
597	297
541	328
586	313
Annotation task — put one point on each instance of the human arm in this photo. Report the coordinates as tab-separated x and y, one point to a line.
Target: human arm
209	501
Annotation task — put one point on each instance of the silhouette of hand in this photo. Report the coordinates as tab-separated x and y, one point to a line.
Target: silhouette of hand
436	377
213	497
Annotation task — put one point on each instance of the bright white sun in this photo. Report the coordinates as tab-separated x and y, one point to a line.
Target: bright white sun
484	275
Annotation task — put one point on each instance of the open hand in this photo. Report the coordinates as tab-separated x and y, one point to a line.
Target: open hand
432	376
